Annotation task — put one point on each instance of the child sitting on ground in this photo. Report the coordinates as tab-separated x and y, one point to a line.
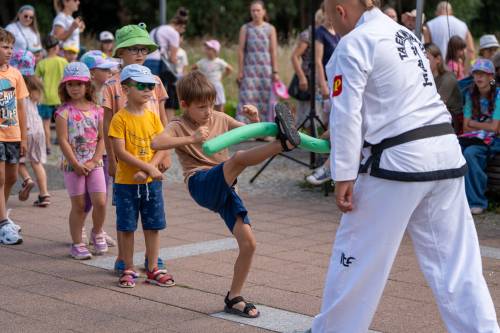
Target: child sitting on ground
80	134
36	153
211	179
215	69
138	186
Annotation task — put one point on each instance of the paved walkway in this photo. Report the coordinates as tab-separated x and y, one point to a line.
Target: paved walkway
44	290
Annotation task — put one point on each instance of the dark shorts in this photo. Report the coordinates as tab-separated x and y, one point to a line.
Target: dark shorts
9	152
46	111
143	199
210	190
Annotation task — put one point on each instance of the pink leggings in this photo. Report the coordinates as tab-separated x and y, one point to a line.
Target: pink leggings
78	185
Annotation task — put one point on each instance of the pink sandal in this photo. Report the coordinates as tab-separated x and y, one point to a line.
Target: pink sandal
127	279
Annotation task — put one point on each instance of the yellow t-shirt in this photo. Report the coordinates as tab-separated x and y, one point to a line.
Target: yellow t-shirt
51	70
138	132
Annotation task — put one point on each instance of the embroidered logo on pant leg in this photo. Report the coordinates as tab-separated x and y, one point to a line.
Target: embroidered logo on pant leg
346	261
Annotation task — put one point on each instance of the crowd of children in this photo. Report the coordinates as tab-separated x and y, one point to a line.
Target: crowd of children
112	128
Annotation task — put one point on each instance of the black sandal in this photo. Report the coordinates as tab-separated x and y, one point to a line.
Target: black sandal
245	313
43	201
286	126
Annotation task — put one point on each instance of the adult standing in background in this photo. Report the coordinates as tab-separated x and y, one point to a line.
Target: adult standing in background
65	27
257	63
391	12
325	43
107	41
25	30
444	26
168	38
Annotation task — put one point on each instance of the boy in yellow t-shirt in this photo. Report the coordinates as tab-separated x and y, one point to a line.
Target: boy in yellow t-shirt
50	70
138	186
13	91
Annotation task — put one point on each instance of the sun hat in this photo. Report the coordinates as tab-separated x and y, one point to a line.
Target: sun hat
137	73
213	44
71	48
483	65
487	41
76	71
280	89
132	34
24	61
106	36
97	59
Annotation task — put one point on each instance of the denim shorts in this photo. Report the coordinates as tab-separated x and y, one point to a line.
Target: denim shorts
9	152
210	190
46	111
143	199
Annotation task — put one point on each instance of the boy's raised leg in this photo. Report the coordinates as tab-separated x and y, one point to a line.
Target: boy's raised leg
247	245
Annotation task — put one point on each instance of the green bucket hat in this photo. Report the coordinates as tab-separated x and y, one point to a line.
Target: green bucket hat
132	34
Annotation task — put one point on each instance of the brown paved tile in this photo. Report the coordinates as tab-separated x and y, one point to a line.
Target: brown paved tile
213	325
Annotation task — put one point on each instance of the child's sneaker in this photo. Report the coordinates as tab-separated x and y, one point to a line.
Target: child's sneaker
80	252
99	242
287	132
320	175
9	234
109	240
18	227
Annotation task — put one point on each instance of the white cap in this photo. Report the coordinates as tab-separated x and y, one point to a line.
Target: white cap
487	41
106	35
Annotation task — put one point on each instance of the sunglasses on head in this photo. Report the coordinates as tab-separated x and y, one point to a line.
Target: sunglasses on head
142	86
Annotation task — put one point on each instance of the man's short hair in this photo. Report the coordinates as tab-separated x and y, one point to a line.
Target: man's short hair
195	87
6	36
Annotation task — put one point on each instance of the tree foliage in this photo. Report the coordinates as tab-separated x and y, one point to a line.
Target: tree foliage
223	18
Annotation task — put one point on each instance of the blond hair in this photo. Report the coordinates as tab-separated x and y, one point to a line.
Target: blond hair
195	87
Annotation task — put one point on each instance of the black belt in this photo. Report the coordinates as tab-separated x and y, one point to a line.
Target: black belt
413	135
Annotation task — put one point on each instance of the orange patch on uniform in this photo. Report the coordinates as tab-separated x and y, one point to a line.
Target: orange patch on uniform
337	86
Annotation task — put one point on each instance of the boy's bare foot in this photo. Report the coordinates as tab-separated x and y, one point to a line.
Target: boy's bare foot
287	132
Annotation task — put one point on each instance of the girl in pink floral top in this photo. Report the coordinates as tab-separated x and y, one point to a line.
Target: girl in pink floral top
80	134
455	56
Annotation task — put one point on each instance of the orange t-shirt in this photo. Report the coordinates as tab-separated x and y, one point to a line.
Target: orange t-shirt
191	157
114	99
12	89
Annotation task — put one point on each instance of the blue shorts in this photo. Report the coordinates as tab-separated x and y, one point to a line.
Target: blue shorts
210	190
46	111
144	199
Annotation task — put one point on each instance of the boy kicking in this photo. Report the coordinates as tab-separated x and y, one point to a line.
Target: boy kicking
211	179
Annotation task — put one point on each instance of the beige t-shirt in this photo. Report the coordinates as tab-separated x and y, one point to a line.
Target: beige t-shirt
191	156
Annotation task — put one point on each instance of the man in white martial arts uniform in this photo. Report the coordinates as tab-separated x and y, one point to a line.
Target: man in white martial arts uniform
388	118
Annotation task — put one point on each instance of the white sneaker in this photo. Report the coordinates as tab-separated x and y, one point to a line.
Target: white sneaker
9	234
320	175
476	210
17	226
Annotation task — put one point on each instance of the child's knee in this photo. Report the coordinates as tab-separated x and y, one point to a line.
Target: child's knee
248	245
10	180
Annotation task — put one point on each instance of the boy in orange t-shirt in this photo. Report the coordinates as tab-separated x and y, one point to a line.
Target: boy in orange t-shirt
13	91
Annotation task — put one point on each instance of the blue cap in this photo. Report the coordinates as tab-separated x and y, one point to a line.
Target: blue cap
97	59
137	73
76	71
483	65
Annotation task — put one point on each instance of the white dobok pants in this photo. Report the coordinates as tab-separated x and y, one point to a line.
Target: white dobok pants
439	222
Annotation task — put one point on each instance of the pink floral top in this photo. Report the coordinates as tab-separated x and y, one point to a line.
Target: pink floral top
83	132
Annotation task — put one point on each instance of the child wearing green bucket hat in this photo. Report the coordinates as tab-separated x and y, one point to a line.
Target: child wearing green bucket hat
133	44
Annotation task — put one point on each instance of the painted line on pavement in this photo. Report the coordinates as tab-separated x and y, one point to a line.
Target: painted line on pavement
170	253
273	319
490	252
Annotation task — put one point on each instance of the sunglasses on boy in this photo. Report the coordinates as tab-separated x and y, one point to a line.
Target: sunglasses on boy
137	50
141	86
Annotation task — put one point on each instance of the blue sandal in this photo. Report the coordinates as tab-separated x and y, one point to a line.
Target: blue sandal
160	264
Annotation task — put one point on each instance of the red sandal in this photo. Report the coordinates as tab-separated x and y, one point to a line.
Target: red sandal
160	277
127	279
